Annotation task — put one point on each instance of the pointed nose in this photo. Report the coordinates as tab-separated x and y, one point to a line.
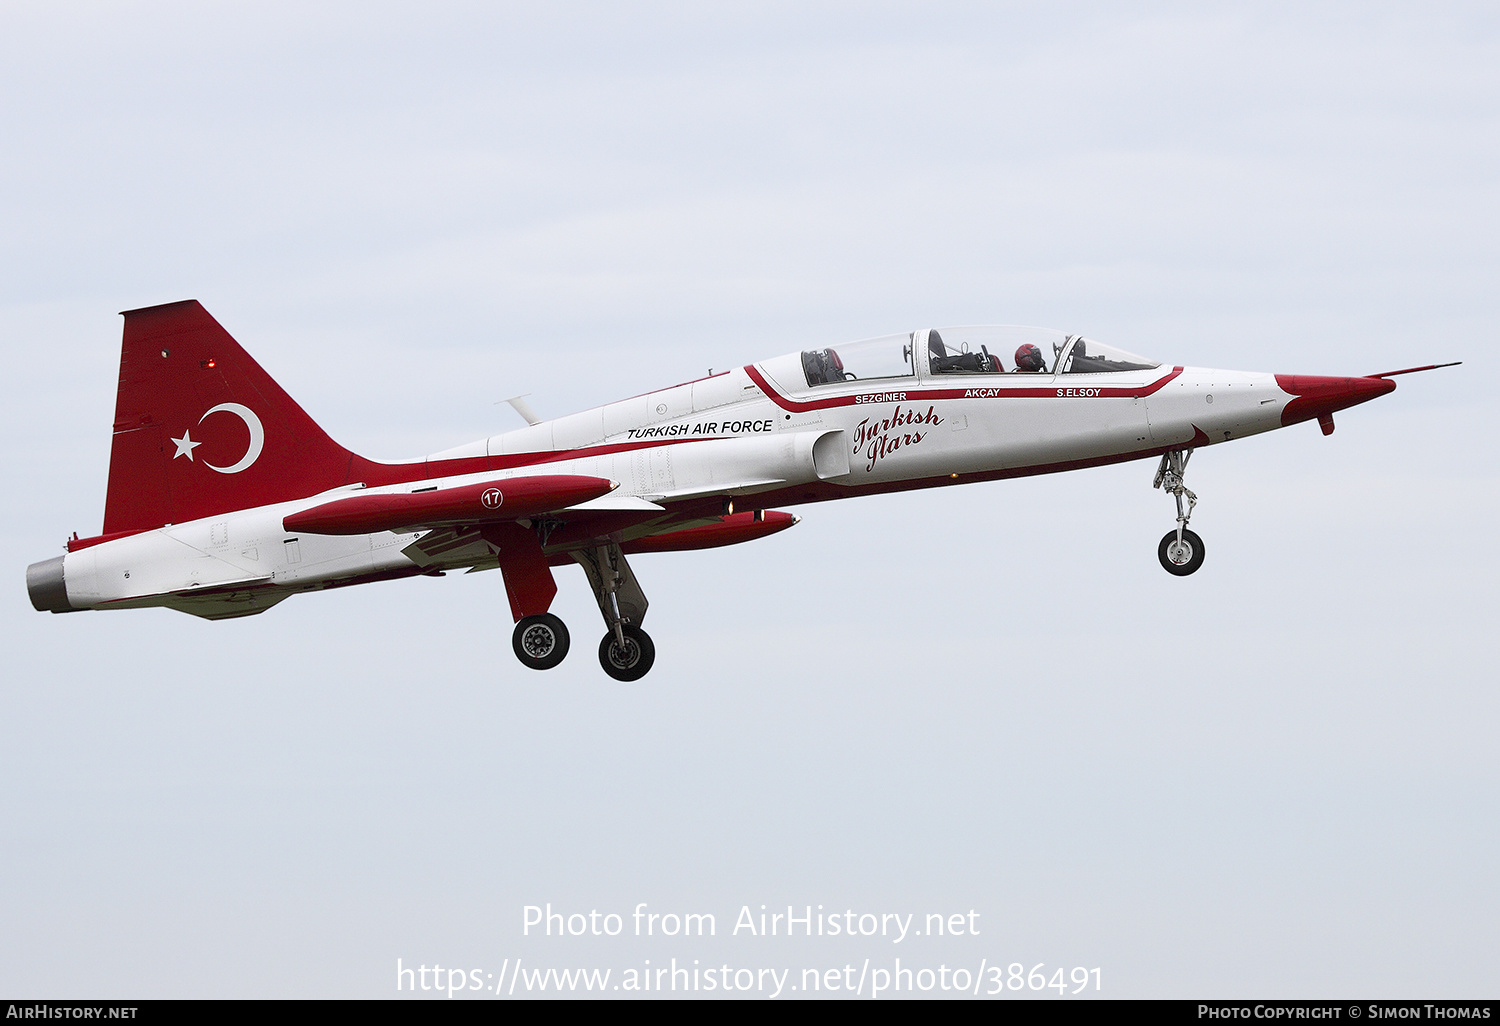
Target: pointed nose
1317	397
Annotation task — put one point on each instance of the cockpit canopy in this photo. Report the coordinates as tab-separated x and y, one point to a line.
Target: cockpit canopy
889	356
941	352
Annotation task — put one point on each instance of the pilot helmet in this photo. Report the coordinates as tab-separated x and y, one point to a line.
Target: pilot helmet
1029	358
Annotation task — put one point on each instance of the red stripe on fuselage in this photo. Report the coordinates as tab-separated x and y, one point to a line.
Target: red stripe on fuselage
912	395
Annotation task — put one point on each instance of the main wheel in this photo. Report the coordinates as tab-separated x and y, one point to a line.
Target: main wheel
1180	559
540	641
631	662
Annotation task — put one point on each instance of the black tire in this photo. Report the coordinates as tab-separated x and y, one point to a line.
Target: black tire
540	642
636	659
1191	553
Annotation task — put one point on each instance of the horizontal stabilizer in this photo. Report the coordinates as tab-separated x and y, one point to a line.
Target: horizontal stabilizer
487	502
227	604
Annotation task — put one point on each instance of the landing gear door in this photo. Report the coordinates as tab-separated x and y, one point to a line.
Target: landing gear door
611	577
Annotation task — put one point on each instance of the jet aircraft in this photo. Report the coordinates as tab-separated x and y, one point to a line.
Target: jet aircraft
225	498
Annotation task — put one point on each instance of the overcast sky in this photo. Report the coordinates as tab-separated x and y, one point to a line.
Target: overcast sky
1275	778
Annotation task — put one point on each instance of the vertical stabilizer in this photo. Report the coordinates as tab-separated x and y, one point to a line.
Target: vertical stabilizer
201	429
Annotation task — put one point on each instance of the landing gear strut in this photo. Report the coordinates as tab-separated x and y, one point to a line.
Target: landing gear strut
1181	551
626	653
540	642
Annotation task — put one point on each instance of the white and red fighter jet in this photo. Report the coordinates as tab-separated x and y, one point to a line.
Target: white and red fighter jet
225	497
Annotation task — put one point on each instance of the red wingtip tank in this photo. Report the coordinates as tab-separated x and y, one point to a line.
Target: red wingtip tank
730	530
487	501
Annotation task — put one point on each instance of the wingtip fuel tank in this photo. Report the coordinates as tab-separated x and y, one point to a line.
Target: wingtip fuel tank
486	501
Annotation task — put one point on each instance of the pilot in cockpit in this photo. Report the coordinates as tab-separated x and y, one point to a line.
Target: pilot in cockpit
1029	360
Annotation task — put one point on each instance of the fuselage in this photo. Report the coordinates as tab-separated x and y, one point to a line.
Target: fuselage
780	432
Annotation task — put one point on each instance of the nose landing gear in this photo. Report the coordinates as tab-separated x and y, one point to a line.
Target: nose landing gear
1181	551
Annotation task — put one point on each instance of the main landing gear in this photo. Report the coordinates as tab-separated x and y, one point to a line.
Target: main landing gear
626	652
540	642
627	656
1181	551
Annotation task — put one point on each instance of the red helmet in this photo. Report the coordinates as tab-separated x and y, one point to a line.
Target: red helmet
1029	358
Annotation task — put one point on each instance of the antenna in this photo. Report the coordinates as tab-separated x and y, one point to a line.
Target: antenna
521	406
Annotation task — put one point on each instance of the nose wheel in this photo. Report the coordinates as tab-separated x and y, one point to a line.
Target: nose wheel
629	656
1181	551
1180	555
540	642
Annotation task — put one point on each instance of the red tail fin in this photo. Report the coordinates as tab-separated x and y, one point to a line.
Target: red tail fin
200	429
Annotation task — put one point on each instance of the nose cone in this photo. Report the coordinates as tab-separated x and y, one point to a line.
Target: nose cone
1317	397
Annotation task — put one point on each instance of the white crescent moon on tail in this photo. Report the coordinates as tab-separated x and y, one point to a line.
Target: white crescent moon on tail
257	436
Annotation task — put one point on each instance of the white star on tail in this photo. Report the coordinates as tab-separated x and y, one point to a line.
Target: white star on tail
185	445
